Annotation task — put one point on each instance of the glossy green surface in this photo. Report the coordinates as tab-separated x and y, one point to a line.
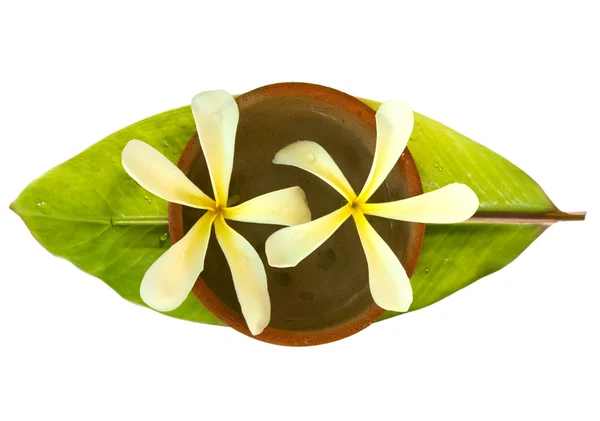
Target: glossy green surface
88	211
454	256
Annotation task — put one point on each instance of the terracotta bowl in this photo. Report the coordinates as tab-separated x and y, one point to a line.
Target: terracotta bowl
326	297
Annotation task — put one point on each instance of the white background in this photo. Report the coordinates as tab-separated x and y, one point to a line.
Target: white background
523	79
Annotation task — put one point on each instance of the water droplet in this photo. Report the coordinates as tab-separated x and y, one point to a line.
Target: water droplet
175	151
325	259
166	144
44	207
440	168
243	261
310	158
426	270
145	197
436	165
215	118
163	237
149	200
445	260
114	159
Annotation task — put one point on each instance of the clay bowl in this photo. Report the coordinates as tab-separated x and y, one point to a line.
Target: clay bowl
326	297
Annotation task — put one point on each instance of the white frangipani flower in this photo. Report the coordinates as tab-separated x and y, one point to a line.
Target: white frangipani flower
170	279
389	284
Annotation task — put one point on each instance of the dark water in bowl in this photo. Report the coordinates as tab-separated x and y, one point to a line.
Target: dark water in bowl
331	284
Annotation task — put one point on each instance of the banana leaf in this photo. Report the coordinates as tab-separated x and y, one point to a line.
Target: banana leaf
90	212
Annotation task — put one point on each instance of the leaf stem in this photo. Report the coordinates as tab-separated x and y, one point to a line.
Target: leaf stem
120	221
547	218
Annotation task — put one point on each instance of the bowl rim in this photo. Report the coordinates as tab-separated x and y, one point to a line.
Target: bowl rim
347	327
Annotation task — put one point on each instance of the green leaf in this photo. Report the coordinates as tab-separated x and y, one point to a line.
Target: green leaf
513	212
90	212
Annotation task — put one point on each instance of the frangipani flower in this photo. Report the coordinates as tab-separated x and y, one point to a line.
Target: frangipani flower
388	282
170	279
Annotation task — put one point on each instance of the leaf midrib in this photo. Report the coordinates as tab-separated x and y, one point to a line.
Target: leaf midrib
480	217
114	221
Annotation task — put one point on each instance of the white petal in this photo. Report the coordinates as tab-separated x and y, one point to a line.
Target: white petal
394	121
170	279
249	276
448	205
289	246
216	114
155	173
312	157
390	287
281	207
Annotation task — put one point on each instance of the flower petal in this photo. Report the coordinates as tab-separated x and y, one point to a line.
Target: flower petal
450	204
155	173
170	279
216	114
249	276
281	207
289	246
390	287
394	121
312	157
